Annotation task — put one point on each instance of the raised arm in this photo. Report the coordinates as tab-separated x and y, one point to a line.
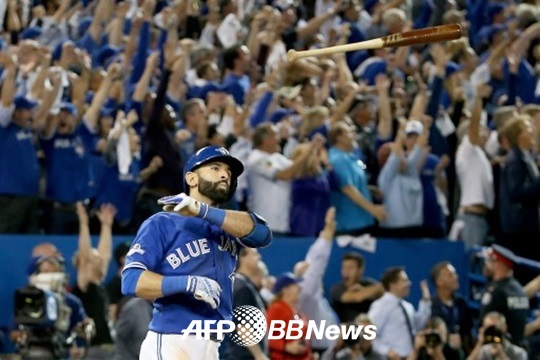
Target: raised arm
384	128
8	62
91	115
250	228
142	85
13	23
522	43
106	215
315	23
96	27
318	255
418	108
343	107
482	91
295	170
116	27
48	98
39	84
85	248
345	75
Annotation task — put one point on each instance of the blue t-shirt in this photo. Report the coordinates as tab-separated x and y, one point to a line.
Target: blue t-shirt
19	167
237	86
68	164
173	245
349	170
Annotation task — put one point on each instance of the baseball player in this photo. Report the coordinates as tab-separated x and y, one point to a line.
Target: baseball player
184	258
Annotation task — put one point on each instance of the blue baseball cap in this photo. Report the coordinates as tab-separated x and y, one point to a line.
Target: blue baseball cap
284	280
31	33
493	10
105	56
23	102
491	31
451	68
69	107
210	154
369	70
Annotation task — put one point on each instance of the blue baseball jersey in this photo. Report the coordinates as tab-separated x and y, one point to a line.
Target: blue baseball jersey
19	167
173	245
69	173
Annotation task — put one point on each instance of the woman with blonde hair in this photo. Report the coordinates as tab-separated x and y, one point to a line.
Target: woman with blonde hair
310	193
313	119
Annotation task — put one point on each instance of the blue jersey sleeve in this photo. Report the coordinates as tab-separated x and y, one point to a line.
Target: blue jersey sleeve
146	251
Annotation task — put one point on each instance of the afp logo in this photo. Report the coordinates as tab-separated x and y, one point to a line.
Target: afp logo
247	328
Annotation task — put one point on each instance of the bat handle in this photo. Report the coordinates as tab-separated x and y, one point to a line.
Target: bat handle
291	55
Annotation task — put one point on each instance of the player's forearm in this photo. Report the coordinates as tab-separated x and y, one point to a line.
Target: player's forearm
237	223
250	228
149	286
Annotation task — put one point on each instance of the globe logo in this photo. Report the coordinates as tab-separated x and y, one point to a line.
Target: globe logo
250	326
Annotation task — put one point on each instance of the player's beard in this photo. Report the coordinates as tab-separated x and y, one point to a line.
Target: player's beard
213	190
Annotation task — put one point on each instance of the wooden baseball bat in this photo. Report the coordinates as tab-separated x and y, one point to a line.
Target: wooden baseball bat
413	37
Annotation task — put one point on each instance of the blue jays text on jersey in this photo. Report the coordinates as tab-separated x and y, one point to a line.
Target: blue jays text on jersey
172	245
196	248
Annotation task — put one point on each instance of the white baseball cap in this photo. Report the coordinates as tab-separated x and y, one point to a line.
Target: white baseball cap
414	127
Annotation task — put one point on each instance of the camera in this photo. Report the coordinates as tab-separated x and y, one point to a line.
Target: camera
42	315
433	339
493	335
41	308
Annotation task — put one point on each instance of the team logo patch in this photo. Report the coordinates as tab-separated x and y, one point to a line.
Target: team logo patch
135	249
486	298
250	326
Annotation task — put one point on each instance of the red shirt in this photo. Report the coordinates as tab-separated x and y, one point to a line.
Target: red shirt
280	310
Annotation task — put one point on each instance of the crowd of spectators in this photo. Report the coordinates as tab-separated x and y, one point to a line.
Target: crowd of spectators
102	102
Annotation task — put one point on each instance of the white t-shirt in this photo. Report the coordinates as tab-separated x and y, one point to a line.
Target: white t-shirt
229	31
269	197
475	175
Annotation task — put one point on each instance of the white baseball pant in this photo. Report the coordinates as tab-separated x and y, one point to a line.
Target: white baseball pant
172	347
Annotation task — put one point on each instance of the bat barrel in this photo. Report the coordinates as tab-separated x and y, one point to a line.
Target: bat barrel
424	36
414	37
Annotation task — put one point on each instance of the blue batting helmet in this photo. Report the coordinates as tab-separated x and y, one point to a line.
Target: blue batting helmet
214	154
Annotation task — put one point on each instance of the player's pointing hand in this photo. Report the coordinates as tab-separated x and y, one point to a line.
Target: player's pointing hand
181	203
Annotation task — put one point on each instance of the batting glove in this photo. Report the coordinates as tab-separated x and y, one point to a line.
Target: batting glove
204	289
181	203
